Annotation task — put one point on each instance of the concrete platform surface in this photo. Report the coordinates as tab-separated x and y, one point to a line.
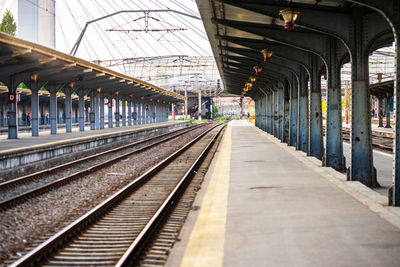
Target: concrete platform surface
265	204
26	140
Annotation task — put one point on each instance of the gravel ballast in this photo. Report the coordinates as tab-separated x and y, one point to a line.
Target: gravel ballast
42	216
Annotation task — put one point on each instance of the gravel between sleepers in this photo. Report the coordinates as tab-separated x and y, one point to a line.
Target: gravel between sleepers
42	216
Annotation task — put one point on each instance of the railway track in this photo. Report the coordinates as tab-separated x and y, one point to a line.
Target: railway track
116	232
20	189
378	141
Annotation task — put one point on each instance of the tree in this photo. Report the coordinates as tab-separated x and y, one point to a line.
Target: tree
8	24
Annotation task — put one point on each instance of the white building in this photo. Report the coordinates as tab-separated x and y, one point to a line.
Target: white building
36	21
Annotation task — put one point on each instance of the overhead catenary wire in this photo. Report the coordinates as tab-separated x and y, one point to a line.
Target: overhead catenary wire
186	43
79	30
165	47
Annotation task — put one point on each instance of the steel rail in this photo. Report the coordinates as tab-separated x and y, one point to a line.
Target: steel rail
6	204
36	256
138	246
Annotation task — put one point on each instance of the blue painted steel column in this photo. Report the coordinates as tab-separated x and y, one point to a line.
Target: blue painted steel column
280	112
387	107
334	140
286	113
130	112
117	114
110	112
101	104
87	113
35	108
294	95
123	103
394	197
315	141
302	114
271	112
81	107
53	110
143	113
2	115
12	113
275	111
92	114
68	109
97	108
135	113
362	168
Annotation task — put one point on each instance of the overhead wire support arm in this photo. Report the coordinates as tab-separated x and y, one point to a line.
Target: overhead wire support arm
78	41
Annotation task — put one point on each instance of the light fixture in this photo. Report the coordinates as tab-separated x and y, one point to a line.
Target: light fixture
267	54
130	96
258	69
252	79
34	77
142	97
289	16
71	85
117	93
99	90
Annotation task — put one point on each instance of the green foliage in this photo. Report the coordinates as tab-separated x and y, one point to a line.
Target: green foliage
8	24
214	111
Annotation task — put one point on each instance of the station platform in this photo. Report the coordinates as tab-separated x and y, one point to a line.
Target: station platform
264	204
26	140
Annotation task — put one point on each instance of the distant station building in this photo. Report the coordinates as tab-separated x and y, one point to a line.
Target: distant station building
36	21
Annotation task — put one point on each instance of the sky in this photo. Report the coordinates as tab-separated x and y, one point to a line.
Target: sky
124	35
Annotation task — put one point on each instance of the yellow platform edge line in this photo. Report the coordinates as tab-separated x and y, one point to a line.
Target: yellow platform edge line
206	243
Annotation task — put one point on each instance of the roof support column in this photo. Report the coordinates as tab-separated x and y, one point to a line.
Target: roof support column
101	104
12	114
81	107
34	108
275	105
334	140
123	103
148	113
143	112
286	114
256	109
87	112
361	168
387	106
380	111
302	114
24	115
92	116
315	141
135	112
110	112
1	114
395	197
153	112
68	109
53	110
117	115
280	112
271	112
130	111
97	108
264	111
293	111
